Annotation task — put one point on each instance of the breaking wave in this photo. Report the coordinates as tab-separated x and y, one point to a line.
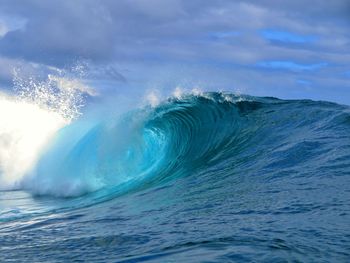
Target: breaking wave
181	136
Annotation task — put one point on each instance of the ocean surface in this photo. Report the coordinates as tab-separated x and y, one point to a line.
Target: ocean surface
210	177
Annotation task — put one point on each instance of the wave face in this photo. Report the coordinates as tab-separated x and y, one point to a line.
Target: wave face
215	177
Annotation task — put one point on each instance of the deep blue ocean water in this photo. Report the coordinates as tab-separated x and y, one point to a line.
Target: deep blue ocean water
209	178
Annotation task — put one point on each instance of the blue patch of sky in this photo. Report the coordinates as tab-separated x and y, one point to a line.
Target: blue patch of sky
303	82
290	65
286	37
224	34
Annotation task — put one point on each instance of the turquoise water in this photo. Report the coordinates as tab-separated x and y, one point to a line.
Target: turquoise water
209	178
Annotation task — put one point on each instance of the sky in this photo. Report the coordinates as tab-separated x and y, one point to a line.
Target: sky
287	49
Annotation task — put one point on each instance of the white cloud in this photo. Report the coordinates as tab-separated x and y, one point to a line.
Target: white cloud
174	32
3	29
10	23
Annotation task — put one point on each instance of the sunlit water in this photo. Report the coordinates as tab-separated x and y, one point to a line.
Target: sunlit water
211	177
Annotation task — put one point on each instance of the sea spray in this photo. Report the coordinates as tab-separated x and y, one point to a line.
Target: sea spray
25	130
30	119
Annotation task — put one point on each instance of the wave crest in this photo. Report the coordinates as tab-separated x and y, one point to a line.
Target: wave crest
181	136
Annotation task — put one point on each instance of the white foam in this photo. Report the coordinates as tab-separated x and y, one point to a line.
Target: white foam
178	92
25	130
30	119
153	98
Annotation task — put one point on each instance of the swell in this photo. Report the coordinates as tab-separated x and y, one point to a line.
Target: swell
214	136
180	137
144	147
184	136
